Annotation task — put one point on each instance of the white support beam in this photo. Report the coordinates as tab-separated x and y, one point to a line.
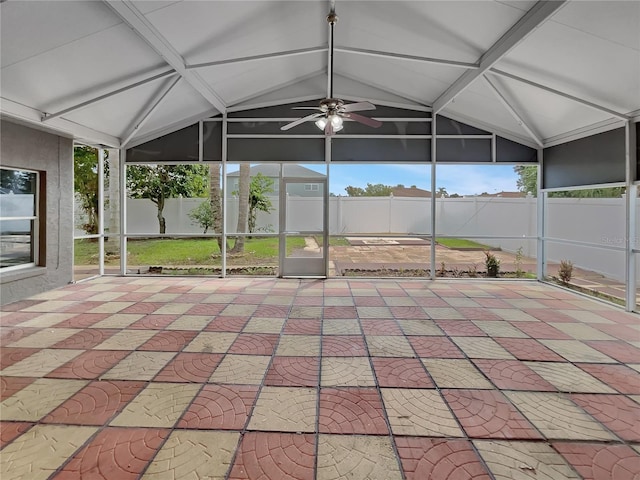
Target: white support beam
59	126
582	101
402	56
146	113
266	56
129	13
514	113
535	17
73	108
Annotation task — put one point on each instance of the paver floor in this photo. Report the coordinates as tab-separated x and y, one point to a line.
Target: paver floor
270	379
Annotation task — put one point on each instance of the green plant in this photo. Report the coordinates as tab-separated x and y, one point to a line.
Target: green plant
518	263
565	272
492	264
456	272
202	215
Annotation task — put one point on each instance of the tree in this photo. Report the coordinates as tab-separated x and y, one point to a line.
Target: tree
527	179
159	182
85	185
442	192
215	201
243	206
371	190
258	199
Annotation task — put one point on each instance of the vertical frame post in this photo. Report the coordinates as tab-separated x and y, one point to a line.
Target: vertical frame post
223	252
434	151
123	211
325	236
101	211
541	197
630	207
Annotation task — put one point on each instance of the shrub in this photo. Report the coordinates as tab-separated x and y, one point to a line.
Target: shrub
518	263
492	264
565	272
473	271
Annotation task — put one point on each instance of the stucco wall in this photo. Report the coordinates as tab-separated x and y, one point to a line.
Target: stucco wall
23	147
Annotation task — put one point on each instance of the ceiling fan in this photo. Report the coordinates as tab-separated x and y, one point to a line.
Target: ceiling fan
333	111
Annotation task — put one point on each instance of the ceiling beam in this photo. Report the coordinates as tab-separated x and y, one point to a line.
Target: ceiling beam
59	126
535	17
402	56
512	110
265	56
145	114
49	116
582	101
128	12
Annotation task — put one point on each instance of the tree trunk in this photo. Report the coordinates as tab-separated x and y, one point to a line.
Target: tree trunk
161	220
112	245
215	198
243	205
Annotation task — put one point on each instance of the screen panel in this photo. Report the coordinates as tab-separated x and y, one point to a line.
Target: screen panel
275	149
592	160
380	149
508	151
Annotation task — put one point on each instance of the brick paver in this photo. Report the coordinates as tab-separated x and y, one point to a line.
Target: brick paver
247	378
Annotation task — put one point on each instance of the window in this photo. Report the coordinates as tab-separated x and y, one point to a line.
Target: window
18	218
311	187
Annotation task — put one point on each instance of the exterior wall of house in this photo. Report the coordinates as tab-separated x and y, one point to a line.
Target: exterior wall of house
52	156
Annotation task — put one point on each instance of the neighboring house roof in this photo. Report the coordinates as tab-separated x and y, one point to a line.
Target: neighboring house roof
505	195
273	170
410	192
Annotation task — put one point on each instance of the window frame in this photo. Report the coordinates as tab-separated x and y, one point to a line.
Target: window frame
33	219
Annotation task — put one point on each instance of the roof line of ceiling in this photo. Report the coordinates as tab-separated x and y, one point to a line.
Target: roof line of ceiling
411	58
536	16
512	110
147	111
568	96
32	116
368	83
49	116
128	12
264	56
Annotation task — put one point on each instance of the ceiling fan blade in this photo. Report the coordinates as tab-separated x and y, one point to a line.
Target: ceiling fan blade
301	120
370	122
358	107
306	108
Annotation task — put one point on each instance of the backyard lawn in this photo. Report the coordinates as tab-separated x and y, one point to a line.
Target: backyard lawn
185	251
461	243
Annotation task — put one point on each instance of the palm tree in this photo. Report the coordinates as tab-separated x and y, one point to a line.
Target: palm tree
215	198
243	206
442	192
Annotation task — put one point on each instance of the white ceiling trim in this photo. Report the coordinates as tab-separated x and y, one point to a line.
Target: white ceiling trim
62	126
582	101
512	110
128	12
265	56
146	113
49	116
535	17
401	56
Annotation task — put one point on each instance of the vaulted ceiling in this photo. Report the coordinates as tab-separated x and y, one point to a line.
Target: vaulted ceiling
119	73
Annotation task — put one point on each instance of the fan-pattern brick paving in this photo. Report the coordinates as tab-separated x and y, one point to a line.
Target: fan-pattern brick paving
263	378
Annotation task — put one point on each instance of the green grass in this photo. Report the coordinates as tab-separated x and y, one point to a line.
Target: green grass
186	251
460	243
338	242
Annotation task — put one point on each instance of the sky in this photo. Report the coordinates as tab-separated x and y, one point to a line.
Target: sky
460	179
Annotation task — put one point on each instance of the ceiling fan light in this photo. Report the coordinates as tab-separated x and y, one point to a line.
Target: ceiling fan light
336	122
337	129
321	123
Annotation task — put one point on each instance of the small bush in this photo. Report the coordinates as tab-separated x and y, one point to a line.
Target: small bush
565	272
492	264
518	263
443	270
473	271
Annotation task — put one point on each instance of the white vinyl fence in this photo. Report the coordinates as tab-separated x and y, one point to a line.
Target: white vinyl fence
596	221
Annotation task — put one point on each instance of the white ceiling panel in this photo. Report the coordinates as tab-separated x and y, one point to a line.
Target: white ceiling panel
233	82
460	30
547	112
115	114
210	31
182	102
59	54
581	63
31	28
420	81
80	70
